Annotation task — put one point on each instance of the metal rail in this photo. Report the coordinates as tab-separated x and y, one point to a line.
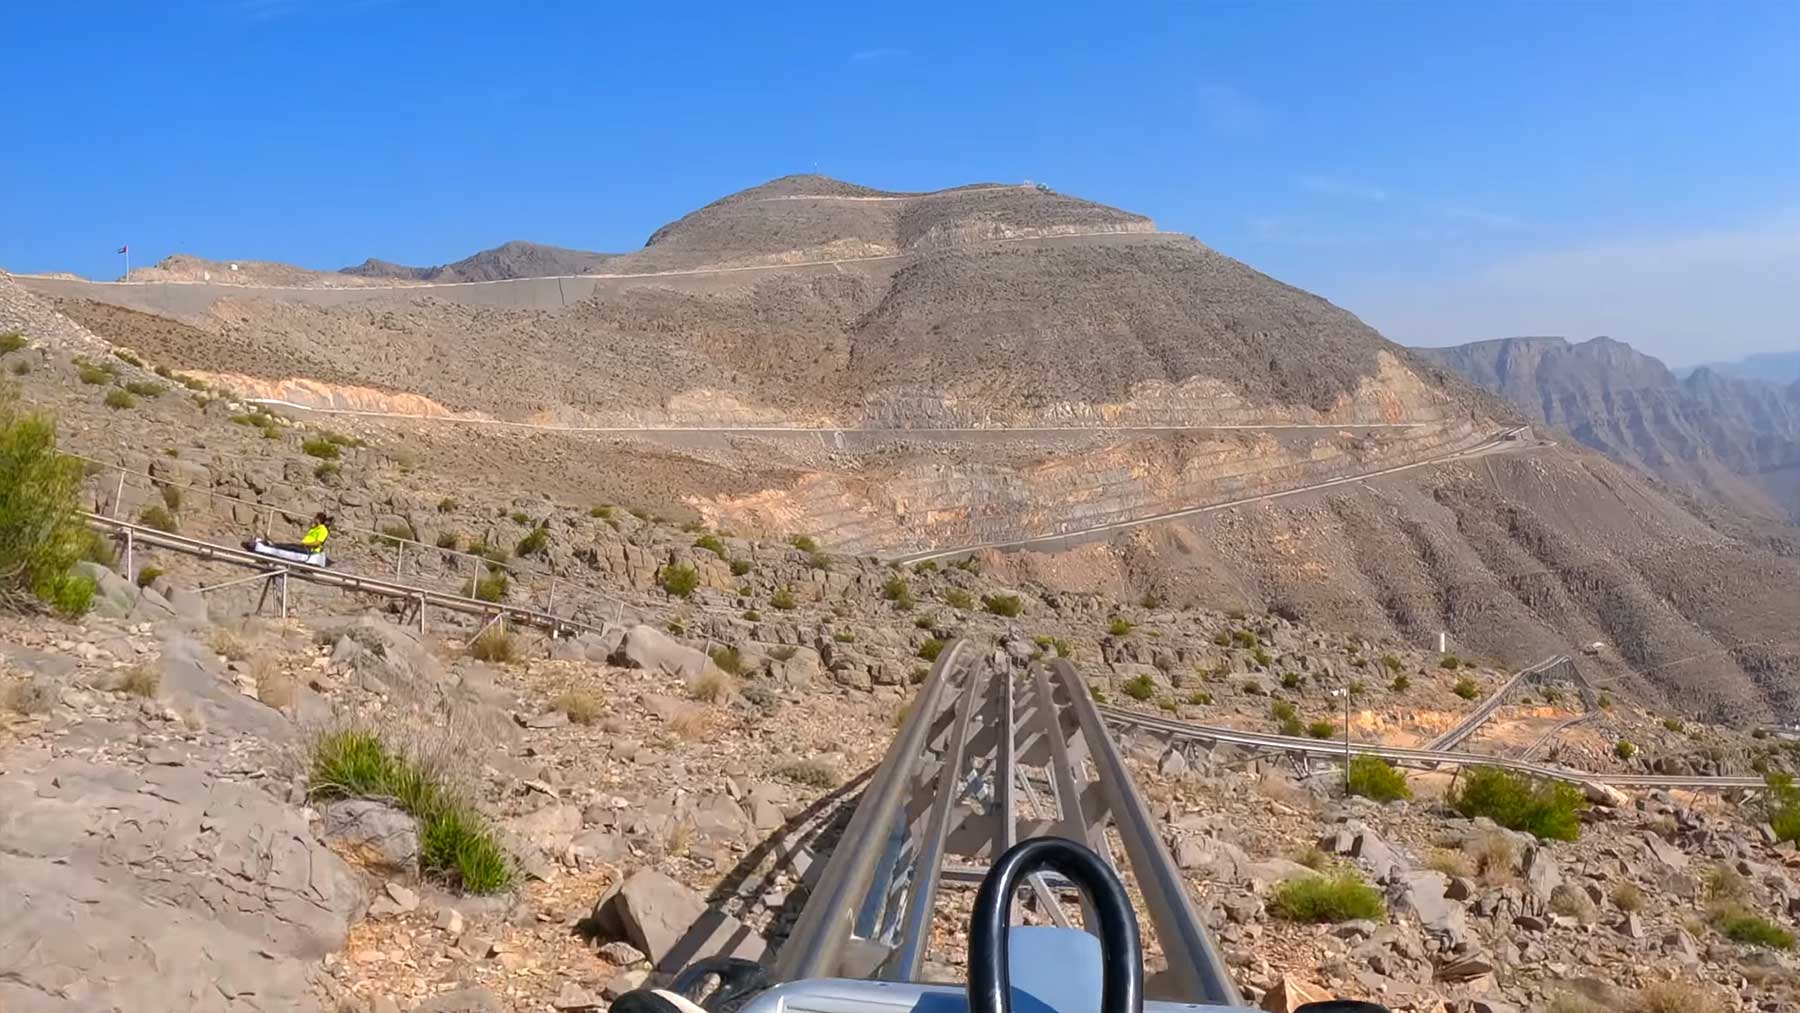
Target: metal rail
1479	716
945	802
282	571
1334	750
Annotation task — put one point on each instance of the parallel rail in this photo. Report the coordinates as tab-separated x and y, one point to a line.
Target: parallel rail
984	756
1171	729
1479	716
275	569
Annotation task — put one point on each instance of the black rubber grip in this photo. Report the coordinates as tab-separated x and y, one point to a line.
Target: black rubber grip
1121	959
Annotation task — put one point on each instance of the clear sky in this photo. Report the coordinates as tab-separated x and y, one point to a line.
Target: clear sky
1447	171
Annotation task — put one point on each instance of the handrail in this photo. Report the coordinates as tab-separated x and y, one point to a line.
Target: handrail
1428	757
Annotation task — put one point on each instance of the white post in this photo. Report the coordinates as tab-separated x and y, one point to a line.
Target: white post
128	574
119	494
1443	641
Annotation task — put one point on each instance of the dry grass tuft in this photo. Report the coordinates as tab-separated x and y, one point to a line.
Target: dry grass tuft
810	772
274	686
22	696
582	706
1675	997
690	725
1496	857
1451	863
228	643
1627	897
714	686
139	680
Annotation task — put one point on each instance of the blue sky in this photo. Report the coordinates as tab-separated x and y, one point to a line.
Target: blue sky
1447	171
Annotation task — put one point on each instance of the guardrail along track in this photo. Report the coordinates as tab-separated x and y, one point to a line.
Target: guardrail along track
1181	731
986	756
1558	666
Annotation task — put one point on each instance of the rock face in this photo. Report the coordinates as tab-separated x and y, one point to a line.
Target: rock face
649	647
671	923
382	837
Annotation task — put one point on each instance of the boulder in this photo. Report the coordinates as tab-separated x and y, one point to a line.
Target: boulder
463	1000
375	834
671	923
1542	875
1290	993
1422	891
650	648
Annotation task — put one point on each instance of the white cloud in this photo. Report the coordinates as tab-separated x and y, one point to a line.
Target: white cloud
1703	295
1335	187
1230	112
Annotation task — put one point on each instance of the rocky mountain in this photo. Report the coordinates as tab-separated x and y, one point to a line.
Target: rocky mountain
1775	367
1097	403
517	259
1734	438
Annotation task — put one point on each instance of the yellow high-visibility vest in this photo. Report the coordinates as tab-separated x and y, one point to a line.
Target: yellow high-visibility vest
315	538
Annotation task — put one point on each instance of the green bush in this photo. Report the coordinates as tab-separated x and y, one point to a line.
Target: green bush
492	587
728	660
1391	662
819	561
1624	749
1449	662
1245	639
148	575
740	567
327	470
1672	724
928	566
1341	897
1200	698
144	388
157	516
844	637
11	342
92	375
534	542
1549	810
1261	657
1374	777
128	358
320	447
896	588
455	843
680	579
1741	925
1290	680
1222	639
959	599
1400	684
1119	627
783	599
752	615
494	645
119	400
1008	605
968	564
712	544
1465	687
448	540
804	543
930	649
1782	801
1320	729
1286	718
1139	687
447	505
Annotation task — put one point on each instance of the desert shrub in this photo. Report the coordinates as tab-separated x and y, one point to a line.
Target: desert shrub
1320	729
1400	684
324	471
1724	883
1449	662
729	660
1675	997
1290	680
1465	687
1624	749
148	575
1390	662
711	544
41	536
534	542
752	615
1450	863
680	579
1782	802
1628	897
1200	698
844	637
190	382
928	566
1245	639
92	375
448	540
1119	627
1496	856
144	388
804	543
128	358
740	567
1262	658
819	561
1008	605
1549	810
1286	718
1672	724
492	587
119	400
494	645
11	342
396	534
447	505
714	685
959	599
455	843
320	447
809	772
930	649
157	516
1571	901
1222	639
783	599
139	680
1139	687
895	588
1376	778
1741	925
1340	897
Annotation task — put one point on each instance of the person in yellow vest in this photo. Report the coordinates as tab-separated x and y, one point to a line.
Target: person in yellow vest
314	539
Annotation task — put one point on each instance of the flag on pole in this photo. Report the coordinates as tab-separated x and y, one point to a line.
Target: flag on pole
124	249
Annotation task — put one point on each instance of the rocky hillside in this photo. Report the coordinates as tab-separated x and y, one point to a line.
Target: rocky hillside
1734	438
517	259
